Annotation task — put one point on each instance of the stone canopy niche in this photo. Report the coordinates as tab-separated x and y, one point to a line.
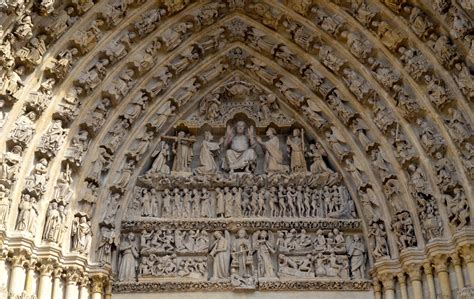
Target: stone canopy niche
239	196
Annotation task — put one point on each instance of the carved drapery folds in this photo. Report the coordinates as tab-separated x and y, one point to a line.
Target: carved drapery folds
348	115
250	165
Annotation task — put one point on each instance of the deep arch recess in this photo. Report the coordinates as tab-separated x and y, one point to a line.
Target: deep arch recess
89	92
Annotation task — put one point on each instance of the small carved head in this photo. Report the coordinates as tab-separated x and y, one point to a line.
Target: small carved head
296	132
240	127
208	136
242	233
271	132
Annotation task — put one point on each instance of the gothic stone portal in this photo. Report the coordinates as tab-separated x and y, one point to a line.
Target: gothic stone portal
239	197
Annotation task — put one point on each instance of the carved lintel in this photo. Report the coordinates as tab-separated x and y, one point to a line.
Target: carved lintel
131	287
216	224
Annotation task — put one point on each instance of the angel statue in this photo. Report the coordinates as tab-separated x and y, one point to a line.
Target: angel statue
338	143
263	242
240	153
207	161
273	154
160	165
220	251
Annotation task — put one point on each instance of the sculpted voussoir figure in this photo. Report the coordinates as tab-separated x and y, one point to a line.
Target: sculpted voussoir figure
4	204
81	234
28	214
24	129
55	223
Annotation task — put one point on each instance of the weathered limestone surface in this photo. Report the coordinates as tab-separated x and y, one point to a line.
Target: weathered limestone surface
259	295
283	148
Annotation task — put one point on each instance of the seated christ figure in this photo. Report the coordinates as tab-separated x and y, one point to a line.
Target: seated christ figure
240	153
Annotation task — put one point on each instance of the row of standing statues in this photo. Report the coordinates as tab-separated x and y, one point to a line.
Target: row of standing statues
241	258
239	153
290	201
